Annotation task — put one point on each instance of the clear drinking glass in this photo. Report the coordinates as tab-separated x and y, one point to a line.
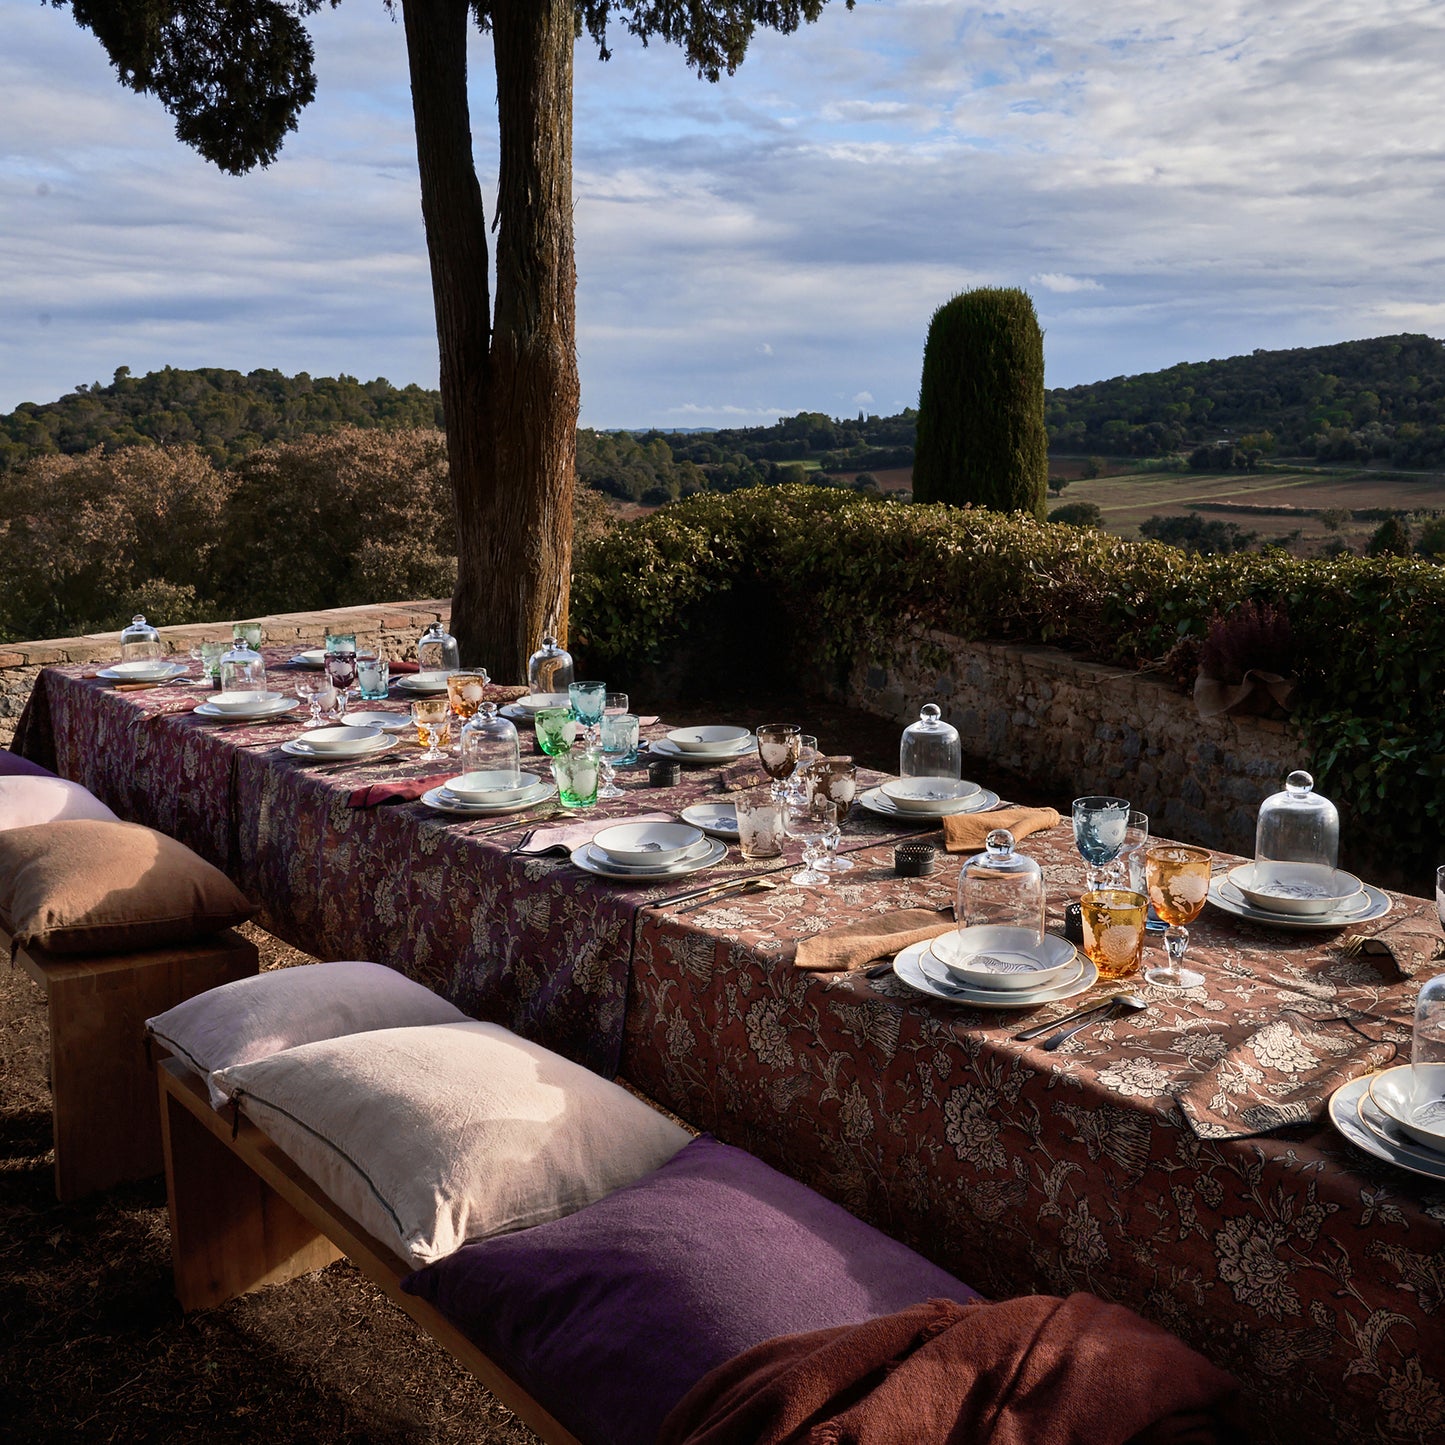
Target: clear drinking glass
211	655
837	779
341	670
577	773
760	824
1113	922
1178	887
556	730
430	715
373	674
588	700
340	642
619	739
1100	824
1128	869
1440	894
809	817
247	632
308	689
779	747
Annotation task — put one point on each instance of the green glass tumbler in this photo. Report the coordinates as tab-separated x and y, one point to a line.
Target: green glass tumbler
555	730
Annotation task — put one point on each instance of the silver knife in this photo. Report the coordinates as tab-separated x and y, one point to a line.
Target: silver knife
1102	1002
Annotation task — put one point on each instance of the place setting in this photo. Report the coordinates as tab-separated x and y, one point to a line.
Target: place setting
247	705
707	745
489	793
339	744
648	852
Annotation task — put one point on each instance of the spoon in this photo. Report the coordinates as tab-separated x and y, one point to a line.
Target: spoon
1126	1003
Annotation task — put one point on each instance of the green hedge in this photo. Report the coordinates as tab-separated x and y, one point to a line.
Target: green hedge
849	575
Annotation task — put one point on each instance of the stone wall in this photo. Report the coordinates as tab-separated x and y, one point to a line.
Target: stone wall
392	628
1076	727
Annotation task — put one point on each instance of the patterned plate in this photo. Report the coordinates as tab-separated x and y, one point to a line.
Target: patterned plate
1224	895
915	964
1347	1107
593	860
718	819
877	801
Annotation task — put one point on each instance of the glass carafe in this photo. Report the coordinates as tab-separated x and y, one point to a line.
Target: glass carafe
437	650
1297	840
930	747
242	669
549	669
140	642
1002	888
490	745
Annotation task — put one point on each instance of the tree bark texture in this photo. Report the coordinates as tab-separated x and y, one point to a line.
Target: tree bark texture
508	383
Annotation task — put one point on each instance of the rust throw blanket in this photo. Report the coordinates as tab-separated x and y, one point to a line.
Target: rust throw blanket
1030	1371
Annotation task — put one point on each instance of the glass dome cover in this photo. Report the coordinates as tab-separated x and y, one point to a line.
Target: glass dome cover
930	748
1001	888
490	745
437	651
1295	826
140	642
550	669
242	669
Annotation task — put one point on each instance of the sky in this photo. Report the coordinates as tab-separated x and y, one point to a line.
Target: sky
1169	182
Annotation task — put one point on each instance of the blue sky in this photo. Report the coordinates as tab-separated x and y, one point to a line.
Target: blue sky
1170	182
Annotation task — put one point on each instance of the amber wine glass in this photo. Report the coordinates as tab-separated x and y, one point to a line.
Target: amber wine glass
779	746
1178	885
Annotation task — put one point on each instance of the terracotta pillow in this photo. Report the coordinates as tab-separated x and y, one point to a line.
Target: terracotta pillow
88	886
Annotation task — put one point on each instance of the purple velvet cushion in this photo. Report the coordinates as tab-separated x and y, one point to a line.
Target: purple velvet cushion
609	1316
12	765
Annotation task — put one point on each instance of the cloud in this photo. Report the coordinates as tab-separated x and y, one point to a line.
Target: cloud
863	398
1059	282
765	350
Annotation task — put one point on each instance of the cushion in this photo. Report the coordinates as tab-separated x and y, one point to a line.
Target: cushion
610	1316
253	1017
12	765
28	801
89	886
432	1136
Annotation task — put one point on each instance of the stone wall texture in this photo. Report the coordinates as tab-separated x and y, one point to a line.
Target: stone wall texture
392	628
1075	727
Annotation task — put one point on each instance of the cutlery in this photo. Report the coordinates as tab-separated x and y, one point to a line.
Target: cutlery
713	888
519	821
1100	1003
753	885
1124	1003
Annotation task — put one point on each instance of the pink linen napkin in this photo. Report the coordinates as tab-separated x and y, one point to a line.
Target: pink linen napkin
573	835
406	790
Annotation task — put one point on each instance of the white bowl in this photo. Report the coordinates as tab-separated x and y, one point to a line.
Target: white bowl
1298	888
330	740
1413	1095
716	738
636	844
243	701
436	678
1008	959
491	787
142	670
536	701
928	795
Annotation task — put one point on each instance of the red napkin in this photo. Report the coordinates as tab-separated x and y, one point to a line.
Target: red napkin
408	790
405	667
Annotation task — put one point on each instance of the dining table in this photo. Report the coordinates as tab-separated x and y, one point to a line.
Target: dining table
1201	1160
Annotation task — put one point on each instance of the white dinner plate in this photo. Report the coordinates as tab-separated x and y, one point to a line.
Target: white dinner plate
877	801
1374	904
593	860
1350	1107
388	722
1397	1093
278	707
667	749
719	820
915	965
962	952
164	672
315	659
703	848
445	802
410	682
297	748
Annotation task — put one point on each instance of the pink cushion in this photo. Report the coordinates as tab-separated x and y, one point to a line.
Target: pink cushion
28	801
12	765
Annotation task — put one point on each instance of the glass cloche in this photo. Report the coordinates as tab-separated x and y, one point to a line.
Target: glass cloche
1001	888
437	651
930	748
1297	838
490	745
242	669
140	642
549	669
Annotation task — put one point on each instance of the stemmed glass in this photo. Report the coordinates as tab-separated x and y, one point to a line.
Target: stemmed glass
837	779
779	747
308	689
809	816
588	700
1178	885
1100	828
197	655
430	716
1440	894
341	670
614	744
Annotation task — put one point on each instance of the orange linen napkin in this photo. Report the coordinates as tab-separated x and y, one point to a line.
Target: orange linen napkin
881	936
1404	948
965	832
408	790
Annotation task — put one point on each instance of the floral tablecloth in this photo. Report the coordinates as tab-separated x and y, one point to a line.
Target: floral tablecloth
1175	1161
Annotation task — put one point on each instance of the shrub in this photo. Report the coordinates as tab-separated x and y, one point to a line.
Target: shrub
1391	539
981	438
1079	514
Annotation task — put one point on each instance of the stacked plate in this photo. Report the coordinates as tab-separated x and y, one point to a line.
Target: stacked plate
525	709
489	793
243	706
424	684
996	968
388	722
1362	906
923	800
315	658
1397	1115
648	850
715	743
339	744
150	670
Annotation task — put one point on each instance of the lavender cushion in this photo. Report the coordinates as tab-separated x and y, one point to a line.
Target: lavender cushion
12	765
609	1316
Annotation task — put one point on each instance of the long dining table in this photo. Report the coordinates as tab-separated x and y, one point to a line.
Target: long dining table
1181	1160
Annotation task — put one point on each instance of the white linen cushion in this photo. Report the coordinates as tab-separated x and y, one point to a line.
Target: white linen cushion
28	802
429	1137
268	1012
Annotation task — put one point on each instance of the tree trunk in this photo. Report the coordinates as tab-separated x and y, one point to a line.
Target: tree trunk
515	534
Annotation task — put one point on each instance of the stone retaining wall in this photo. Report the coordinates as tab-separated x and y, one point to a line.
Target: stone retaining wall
1075	727
392	628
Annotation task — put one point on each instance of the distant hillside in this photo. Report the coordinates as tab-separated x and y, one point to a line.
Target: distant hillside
1353	402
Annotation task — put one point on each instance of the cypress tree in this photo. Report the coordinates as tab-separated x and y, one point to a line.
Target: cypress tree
981	436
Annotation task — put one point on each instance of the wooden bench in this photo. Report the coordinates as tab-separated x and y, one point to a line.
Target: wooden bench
243	1215
107	1125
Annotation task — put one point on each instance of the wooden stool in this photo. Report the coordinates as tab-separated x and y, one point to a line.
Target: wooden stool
107	1122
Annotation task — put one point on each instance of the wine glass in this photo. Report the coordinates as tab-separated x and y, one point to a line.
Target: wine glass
1440	894
779	747
588	700
619	737
809	816
1178	885
430	716
308	689
837	779
195	653
1100	827
341	671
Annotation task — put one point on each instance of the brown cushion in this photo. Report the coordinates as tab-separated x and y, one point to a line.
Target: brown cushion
88	886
